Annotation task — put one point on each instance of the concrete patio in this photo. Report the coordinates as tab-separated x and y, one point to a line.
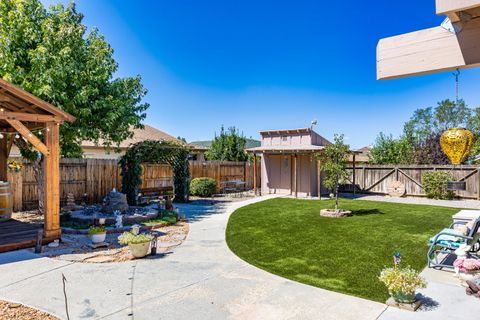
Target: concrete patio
202	279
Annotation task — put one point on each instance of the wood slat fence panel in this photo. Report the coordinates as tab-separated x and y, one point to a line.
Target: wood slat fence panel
96	177
377	178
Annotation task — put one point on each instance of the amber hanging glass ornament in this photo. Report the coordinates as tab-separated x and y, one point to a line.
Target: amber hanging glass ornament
456	143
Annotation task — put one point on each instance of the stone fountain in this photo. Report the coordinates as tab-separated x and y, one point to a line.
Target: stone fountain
115	210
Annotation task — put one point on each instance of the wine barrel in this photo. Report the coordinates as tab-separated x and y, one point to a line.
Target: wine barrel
6	201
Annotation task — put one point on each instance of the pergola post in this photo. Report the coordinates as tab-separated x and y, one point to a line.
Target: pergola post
51	165
3	158
295	179
255	173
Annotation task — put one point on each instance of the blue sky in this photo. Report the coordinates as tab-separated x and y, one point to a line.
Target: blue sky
278	64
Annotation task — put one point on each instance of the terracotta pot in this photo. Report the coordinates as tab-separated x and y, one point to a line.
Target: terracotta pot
98	237
402	297
139	250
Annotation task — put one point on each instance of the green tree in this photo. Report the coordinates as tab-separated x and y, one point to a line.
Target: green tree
388	150
229	145
334	164
50	54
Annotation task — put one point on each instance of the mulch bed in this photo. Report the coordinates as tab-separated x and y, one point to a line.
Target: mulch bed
12	311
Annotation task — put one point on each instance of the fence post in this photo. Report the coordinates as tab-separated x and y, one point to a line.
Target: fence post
478	183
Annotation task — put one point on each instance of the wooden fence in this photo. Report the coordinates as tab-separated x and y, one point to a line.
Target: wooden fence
377	178
92	179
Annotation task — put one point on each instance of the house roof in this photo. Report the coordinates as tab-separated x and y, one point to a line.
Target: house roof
21	105
147	133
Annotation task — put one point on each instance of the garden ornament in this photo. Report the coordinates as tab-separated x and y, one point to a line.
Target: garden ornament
456	143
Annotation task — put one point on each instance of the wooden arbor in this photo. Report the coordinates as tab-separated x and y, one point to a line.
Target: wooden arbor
454	45
21	112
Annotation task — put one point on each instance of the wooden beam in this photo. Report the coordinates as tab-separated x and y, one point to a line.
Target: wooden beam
51	167
446	6
428	51
27	96
27	134
29	117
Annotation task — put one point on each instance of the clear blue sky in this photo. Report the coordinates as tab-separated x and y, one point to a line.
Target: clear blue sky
278	64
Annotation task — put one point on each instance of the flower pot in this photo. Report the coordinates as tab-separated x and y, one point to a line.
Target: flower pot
402	297
139	250
98	237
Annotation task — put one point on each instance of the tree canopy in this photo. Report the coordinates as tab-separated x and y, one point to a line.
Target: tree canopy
51	54
420	140
229	145
334	164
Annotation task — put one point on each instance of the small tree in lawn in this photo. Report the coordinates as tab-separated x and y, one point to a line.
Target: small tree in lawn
334	164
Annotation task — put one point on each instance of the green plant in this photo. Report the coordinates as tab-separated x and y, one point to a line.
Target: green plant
203	187
229	145
154	151
402	280
96	229
334	164
130	238
435	184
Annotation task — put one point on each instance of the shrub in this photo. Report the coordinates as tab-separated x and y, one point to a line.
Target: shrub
402	280
203	187
130	238
95	229
435	185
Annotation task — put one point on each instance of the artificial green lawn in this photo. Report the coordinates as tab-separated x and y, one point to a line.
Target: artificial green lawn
288	237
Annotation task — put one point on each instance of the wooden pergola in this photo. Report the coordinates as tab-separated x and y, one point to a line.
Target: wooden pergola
453	45
23	113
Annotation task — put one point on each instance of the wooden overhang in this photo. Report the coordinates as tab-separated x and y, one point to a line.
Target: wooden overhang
455	45
22	113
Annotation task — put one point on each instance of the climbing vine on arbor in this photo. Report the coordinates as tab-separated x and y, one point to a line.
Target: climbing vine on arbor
152	151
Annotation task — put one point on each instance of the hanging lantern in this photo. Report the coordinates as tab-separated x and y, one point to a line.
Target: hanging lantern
456	143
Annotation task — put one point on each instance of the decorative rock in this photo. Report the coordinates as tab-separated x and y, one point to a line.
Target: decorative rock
115	201
405	306
396	189
54	244
332	213
71	206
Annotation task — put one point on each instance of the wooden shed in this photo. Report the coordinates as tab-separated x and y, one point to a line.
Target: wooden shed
288	162
23	115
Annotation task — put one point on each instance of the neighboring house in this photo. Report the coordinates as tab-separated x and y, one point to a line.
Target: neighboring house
362	155
288	162
91	150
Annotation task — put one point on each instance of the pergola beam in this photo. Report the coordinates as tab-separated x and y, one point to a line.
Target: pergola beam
449	6
29	117
29	136
428	51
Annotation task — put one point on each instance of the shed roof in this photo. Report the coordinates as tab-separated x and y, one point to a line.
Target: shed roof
286	131
287	149
18	104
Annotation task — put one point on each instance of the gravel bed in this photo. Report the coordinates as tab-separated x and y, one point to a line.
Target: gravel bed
14	311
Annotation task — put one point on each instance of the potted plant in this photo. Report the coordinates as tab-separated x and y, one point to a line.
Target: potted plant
97	233
137	243
402	283
467	269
